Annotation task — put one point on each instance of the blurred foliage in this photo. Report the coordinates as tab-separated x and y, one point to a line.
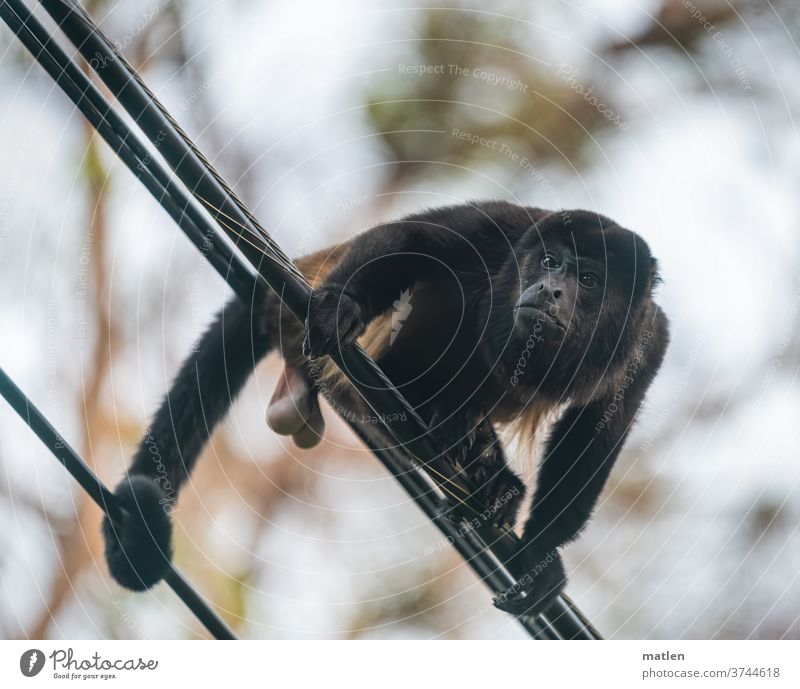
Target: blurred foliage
539	117
683	26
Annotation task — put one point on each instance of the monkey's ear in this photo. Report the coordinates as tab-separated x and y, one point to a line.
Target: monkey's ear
643	266
655	275
139	544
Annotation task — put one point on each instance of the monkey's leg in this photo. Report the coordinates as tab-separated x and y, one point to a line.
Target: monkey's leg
498	487
469	439
580	453
383	262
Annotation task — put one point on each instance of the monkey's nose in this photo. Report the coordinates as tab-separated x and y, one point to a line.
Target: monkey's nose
540	296
544	293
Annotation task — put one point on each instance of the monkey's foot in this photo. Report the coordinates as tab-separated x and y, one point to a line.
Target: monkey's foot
499	490
456	434
535	590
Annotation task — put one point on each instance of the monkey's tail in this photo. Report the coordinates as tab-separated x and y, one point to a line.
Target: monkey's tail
138	547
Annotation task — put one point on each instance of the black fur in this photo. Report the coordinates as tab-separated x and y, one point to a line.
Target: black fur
492	335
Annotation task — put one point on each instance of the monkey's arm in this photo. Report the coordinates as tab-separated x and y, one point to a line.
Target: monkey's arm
579	456
386	260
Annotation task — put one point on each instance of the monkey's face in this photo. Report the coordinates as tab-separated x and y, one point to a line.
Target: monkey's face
558	283
583	284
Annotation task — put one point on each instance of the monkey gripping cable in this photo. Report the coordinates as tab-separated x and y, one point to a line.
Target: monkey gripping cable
488	550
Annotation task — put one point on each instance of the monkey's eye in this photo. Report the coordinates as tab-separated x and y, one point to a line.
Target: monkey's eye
589	280
550	262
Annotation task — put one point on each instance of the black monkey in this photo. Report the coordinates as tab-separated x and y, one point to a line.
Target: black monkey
509	312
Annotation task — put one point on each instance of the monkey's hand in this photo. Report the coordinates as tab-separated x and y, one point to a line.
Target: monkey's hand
334	319
543	579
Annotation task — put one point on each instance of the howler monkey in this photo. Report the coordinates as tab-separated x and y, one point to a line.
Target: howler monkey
483	315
